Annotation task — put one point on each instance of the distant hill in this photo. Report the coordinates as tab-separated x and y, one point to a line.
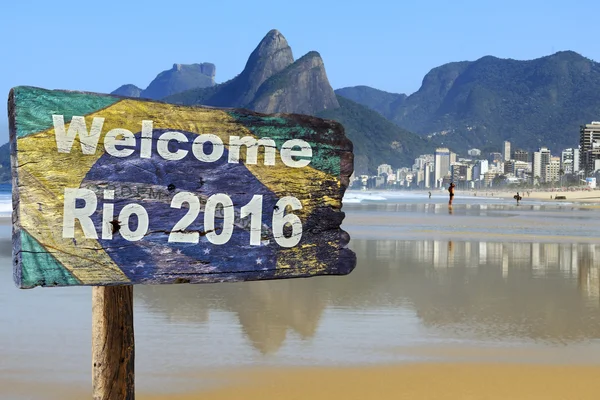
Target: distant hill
180	78
5	175
375	99
532	103
128	91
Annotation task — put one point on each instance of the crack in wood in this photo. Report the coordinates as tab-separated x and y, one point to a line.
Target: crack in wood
27	163
167	232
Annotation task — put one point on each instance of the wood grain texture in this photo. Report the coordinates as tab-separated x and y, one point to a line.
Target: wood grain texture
43	256
113	345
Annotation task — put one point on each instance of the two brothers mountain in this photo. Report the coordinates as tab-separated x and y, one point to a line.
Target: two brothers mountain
459	105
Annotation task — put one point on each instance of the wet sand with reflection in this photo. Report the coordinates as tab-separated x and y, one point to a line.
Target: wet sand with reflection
549	293
530	302
490	222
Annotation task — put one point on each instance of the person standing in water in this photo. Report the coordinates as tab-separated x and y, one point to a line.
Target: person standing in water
451	191
517	197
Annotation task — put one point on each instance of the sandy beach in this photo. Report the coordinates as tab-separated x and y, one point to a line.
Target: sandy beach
423	381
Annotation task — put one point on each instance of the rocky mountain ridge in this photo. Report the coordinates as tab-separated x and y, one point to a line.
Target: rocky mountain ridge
271	82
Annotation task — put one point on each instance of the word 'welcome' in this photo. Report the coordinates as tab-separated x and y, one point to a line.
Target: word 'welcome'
120	142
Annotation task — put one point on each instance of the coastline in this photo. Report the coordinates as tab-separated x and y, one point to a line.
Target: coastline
578	196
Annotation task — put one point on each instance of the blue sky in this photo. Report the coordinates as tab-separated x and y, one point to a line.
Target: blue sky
389	45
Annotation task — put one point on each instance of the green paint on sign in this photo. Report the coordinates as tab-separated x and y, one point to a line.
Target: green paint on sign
43	269
32	119
270	120
325	156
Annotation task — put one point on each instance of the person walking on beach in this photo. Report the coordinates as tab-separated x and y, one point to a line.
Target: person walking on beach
517	197
451	191
429	194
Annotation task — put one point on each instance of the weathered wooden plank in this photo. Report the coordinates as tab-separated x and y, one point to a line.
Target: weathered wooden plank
193	194
113	344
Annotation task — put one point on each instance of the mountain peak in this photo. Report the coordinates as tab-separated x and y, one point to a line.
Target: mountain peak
301	88
312	54
272	44
272	55
273	33
272	49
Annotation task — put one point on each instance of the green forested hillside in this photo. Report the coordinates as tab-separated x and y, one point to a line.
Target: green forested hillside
531	103
376	140
378	100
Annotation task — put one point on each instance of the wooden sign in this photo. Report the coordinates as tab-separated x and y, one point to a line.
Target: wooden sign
118	191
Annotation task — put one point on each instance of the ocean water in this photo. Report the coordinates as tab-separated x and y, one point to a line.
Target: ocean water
486	280
5	200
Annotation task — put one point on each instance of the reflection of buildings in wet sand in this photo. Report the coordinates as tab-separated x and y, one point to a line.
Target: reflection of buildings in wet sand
590	283
543	259
588	261
539	291
579	261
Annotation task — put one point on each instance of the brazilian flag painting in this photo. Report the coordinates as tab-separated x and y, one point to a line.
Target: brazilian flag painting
110	190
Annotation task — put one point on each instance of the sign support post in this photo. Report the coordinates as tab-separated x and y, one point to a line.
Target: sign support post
113	343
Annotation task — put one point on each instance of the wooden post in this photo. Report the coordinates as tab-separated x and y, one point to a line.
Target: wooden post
113	343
